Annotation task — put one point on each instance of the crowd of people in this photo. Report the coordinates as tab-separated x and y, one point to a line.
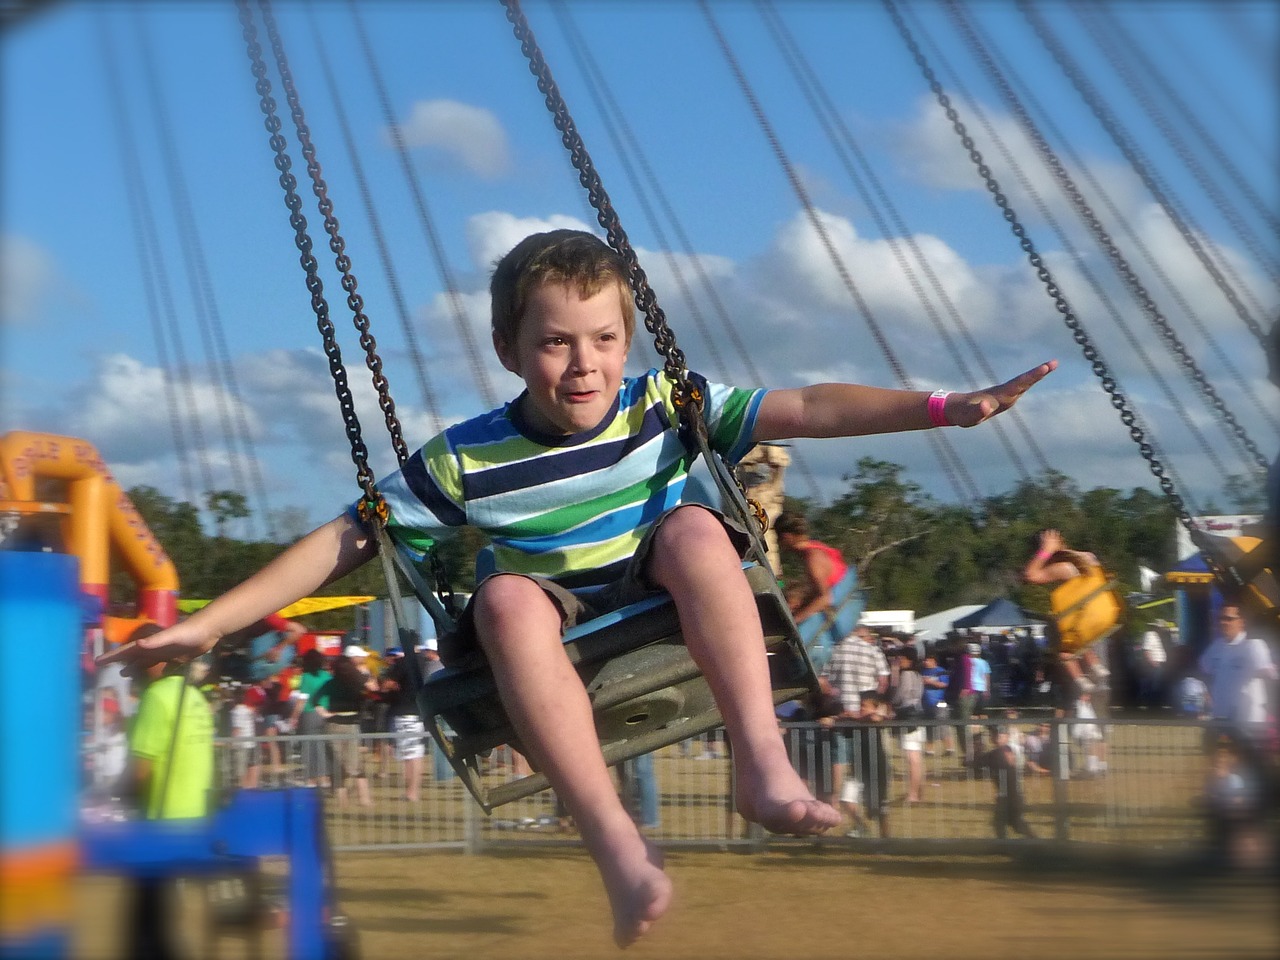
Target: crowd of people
307	723
1053	705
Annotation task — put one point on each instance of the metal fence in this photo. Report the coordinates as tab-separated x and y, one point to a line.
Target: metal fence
1136	782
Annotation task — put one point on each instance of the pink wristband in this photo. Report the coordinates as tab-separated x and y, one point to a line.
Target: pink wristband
938	408
1043	554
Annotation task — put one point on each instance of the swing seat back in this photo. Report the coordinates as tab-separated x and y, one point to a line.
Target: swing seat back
821	631
645	690
1255	579
1086	610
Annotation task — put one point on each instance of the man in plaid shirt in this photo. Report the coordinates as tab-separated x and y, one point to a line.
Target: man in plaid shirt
857	664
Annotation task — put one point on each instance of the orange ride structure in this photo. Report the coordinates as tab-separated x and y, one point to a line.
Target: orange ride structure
95	517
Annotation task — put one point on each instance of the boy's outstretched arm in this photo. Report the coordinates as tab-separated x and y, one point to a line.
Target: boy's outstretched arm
323	555
852	410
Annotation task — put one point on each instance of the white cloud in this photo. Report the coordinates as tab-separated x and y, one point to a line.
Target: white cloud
470	136
492	234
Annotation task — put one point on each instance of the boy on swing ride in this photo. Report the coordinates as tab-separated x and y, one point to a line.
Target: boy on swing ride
578	482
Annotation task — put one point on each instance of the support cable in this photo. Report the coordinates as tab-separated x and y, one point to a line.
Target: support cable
1046	121
453	293
1188	231
242	459
899	234
1121	51
144	229
1090	352
430	398
641	176
1114	255
1042	208
952	466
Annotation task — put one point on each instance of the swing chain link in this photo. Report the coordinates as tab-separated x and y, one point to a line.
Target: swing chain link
655	319
1104	239
1078	333
372	507
284	164
1220	571
355	302
686	396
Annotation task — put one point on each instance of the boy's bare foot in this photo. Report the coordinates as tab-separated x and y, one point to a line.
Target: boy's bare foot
782	803
639	893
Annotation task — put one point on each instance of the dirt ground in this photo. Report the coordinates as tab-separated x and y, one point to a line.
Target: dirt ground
803	902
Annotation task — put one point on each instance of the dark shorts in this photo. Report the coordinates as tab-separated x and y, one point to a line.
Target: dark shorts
460	648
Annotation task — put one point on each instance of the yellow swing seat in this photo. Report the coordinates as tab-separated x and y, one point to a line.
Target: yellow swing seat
1086	610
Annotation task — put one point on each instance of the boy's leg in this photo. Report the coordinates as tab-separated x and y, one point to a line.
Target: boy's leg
695	561
519	628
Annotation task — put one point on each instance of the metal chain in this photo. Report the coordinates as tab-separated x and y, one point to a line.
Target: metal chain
1090	352
655	320
686	396
1132	154
283	163
373	507
336	243
1104	239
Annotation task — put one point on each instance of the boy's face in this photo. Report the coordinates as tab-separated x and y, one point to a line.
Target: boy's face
570	353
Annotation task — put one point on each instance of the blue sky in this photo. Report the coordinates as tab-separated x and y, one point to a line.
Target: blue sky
76	329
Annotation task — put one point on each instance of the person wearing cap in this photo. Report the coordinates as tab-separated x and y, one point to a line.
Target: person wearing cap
339	702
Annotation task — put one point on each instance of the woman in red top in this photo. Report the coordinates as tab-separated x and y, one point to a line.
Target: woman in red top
823	564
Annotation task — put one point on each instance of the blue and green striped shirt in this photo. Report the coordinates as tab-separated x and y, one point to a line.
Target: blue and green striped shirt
571	508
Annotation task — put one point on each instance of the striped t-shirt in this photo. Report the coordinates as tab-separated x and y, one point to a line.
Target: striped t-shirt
571	508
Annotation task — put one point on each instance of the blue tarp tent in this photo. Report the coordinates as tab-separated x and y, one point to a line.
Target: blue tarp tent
1000	612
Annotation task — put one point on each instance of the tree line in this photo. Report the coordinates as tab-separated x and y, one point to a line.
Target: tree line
911	551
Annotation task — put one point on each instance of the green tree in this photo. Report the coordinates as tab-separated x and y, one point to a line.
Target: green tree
226	505
879	514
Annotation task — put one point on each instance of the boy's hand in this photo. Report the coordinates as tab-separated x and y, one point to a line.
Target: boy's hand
181	642
971	409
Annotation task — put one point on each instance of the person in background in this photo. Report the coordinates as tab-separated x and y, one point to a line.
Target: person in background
935	679
1234	810
340	703
1152	658
1002	762
401	698
824	566
1239	668
308	723
908	693
171	742
1055	562
867	787
1036	747
244	730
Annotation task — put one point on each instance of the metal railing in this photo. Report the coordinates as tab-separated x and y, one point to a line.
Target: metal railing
1136	782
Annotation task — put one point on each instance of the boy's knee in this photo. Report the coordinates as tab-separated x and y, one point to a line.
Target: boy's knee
506	595
691	522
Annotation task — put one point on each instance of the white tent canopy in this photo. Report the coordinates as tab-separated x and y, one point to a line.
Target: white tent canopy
935	626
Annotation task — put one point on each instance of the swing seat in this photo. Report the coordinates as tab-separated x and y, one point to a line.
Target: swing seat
1086	610
645	690
1255	578
821	631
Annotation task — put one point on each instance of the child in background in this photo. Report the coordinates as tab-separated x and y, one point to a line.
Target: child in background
578	482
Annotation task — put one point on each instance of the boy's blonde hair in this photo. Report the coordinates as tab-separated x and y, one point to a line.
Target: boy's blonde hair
577	259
